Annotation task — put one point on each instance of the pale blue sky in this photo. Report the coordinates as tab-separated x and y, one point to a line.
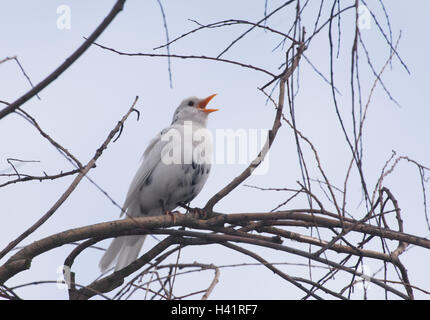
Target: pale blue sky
84	104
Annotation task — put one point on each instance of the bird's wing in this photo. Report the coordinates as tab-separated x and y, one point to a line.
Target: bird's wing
151	158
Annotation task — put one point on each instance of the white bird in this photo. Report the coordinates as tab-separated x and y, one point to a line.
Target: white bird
175	166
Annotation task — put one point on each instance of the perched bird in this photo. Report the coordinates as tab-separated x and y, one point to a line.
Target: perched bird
175	166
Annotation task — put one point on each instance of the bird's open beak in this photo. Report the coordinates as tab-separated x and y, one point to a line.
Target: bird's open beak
204	102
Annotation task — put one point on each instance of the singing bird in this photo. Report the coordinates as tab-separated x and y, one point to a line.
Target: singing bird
175	167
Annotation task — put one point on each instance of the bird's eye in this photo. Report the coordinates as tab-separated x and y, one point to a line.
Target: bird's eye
191	103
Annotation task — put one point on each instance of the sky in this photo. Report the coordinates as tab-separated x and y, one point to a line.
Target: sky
81	107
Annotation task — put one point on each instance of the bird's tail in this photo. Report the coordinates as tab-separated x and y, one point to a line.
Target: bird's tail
124	250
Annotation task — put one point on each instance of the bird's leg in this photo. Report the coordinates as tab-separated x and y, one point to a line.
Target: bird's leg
163	207
185	206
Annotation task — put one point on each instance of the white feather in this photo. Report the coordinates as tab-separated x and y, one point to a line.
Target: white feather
155	186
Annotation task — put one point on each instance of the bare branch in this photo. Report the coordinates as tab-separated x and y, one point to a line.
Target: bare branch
66	64
72	186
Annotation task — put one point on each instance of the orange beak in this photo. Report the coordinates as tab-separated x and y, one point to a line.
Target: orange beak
204	102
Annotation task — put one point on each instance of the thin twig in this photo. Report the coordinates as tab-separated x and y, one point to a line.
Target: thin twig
67	63
72	186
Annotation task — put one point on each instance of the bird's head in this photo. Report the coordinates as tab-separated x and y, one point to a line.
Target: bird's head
193	109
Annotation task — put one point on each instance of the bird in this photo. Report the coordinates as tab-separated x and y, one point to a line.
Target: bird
174	168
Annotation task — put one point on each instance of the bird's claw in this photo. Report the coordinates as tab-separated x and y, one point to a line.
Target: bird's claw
198	213
172	214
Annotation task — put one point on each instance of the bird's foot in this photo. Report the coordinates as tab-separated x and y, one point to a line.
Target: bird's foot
172	214
195	212
198	213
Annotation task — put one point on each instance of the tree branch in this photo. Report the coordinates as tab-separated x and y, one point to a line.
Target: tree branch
73	185
66	64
